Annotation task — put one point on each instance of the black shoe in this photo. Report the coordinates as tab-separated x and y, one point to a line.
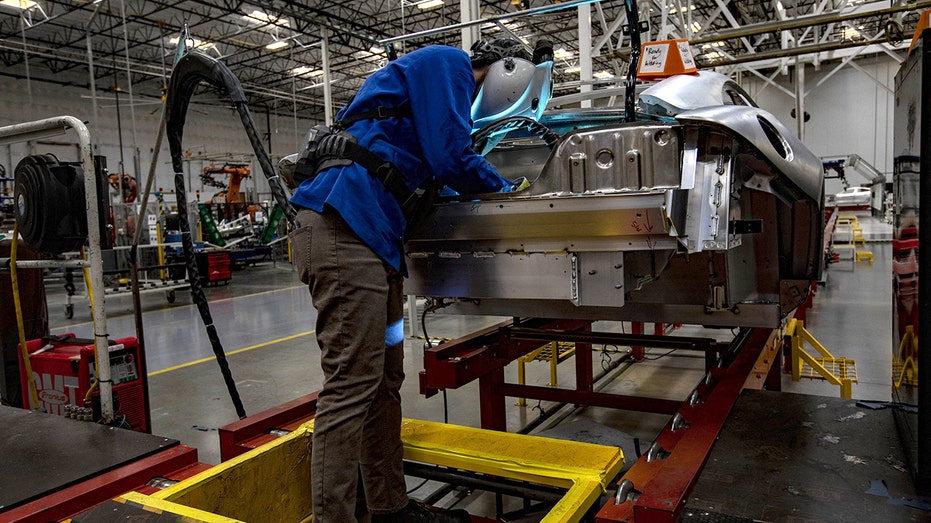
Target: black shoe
416	512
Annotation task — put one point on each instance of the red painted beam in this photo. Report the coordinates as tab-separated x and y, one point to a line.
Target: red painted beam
234	437
458	362
169	463
665	483
593	399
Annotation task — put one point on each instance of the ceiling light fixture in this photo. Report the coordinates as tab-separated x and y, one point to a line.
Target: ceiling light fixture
19	4
562	54
305	71
572	70
261	17
430	4
276	45
195	43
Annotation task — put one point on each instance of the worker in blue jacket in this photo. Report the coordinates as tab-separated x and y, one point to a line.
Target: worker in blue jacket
348	247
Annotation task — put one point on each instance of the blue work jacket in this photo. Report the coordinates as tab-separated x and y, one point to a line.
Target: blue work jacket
437	83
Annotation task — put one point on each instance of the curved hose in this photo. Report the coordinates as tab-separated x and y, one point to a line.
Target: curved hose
630	95
188	72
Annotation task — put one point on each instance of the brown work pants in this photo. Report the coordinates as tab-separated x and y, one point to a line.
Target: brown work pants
357	431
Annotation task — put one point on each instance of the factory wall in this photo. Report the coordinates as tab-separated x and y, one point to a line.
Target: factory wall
212	134
851	111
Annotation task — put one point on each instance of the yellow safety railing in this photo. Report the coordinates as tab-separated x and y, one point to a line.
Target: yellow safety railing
554	353
837	371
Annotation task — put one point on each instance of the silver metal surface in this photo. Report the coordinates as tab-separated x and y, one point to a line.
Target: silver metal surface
688	92
712	219
789	157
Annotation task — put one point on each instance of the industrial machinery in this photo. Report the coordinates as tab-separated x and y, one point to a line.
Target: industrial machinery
63	370
230	194
705	210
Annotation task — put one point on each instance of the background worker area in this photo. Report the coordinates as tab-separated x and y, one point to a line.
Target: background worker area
417	114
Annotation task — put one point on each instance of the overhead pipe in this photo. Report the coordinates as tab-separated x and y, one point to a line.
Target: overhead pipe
788	53
804	21
491	19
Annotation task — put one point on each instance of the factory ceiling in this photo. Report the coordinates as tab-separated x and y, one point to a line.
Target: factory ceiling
276	47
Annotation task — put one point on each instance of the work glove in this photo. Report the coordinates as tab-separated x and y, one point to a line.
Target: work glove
517	185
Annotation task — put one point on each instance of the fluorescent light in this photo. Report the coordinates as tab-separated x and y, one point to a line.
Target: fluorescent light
682	9
430	4
850	33
572	70
197	43
19	4
306	71
377	49
603	75
262	17
562	54
277	44
712	55
696	27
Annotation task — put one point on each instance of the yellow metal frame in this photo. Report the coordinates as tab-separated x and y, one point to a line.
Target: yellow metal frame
838	371
272	482
554	353
904	364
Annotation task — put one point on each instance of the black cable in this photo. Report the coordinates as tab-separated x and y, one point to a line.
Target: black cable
429	344
661	356
190	70
422	483
630	95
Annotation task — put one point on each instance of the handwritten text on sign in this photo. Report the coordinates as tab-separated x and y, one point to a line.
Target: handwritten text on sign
654	58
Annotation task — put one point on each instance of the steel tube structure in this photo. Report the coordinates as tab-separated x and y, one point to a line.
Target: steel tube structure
804	21
490	19
94	260
45	264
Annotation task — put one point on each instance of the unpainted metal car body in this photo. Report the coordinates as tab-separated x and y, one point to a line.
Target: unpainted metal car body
705	210
853	196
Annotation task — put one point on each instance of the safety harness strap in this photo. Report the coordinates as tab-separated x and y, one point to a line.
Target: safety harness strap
338	146
379	113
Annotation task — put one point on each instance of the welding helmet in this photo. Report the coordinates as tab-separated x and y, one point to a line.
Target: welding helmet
516	83
487	52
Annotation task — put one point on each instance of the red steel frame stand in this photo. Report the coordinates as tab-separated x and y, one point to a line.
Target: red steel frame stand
660	481
484	355
661	484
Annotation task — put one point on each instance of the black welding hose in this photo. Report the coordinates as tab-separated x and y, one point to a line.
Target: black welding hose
630	95
189	71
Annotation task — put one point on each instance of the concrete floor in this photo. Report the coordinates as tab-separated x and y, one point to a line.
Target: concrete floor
266	324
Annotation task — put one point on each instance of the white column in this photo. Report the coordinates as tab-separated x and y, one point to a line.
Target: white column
585	50
327	90
469	11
